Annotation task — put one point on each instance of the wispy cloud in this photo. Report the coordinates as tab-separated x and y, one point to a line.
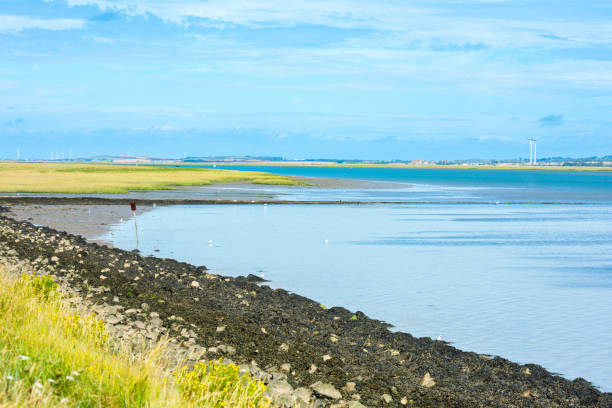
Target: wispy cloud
13	23
551	120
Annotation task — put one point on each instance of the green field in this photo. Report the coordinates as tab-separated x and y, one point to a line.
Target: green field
99	178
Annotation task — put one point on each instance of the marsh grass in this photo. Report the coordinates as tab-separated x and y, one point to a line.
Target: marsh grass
51	356
99	178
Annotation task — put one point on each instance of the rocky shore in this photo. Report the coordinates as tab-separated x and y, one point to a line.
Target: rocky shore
308	354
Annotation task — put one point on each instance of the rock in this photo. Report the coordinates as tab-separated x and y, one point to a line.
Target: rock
255	278
350	387
326	357
526	371
195	284
154	314
131	311
156	321
227	349
139	324
303	394
387	399
313	369
280	387
326	390
220	329
113	320
145	307
285	368
404	401
283	347
427	381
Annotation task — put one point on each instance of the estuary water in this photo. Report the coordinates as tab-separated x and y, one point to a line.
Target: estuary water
529	282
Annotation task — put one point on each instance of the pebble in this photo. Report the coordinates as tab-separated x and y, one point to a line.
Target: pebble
350	387
387	399
427	381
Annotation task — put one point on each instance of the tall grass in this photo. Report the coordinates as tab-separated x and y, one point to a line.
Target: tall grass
94	178
51	356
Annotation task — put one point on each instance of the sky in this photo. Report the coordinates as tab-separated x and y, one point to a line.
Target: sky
351	79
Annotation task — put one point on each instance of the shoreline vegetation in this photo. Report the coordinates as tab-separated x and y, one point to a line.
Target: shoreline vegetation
52	354
78	178
307	354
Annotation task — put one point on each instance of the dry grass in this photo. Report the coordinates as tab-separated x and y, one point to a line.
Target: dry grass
97	178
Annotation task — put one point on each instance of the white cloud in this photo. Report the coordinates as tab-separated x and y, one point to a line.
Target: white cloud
11	23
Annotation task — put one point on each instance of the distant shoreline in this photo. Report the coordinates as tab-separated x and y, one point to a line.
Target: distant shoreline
394	166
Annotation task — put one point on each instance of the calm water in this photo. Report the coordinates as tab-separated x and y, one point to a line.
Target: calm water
532	283
453	184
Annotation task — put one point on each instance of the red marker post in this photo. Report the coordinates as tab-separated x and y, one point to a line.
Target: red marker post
133	207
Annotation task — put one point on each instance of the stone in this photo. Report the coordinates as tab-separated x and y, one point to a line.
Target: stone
131	311
154	314
280	387
195	284
113	320
526	371
283	347
227	349
326	390
303	394
326	357
427	381
145	307
387	399
139	324
313	369
350	387
220	329
285	368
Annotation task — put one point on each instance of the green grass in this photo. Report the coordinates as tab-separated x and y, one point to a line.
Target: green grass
51	356
98	178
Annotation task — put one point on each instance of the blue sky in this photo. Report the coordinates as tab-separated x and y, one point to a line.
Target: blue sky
330	79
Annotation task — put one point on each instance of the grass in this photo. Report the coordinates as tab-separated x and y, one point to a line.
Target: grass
98	178
51	356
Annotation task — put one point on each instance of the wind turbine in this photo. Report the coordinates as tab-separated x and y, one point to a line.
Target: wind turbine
532	151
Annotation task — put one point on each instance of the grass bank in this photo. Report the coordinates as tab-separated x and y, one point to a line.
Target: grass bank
94	178
52	356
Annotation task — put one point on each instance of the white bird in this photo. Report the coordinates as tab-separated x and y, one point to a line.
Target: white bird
210	242
440	338
326	241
